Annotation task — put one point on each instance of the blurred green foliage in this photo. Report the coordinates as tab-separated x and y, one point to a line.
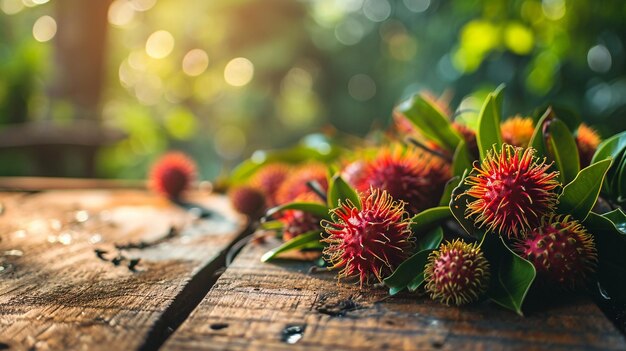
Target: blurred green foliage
220	79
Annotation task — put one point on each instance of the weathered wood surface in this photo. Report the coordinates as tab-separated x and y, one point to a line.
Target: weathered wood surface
280	306
56	294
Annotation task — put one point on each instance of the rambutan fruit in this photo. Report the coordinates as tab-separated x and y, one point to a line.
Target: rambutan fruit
172	174
413	176
561	250
371	241
517	131
587	140
269	179
511	190
296	222
469	136
296	183
247	200
457	273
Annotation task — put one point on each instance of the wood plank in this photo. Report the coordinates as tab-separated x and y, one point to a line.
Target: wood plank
55	293
256	306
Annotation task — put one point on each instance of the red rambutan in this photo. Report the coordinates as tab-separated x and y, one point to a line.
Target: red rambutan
410	175
296	183
247	200
269	179
172	174
457	273
517	131
511	191
371	241
297	222
587	140
561	250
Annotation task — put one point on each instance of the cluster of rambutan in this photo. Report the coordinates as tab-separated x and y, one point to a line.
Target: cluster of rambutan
514	194
278	184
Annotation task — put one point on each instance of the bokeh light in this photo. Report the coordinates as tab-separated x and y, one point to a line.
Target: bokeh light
195	62
238	72
44	28
160	44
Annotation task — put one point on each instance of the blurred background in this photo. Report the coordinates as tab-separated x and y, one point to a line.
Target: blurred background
100	88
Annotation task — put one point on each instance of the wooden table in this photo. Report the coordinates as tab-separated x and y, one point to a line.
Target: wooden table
64	285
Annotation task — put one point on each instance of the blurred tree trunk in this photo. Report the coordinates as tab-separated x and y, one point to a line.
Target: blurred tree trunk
80	55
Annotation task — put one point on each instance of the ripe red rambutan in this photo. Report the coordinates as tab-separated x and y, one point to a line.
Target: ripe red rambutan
510	191
561	250
371	241
297	222
413	176
172	174
269	179
517	131
587	140
247	200
296	183
457	273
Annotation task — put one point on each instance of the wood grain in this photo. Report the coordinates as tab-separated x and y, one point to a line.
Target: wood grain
56	294
256	306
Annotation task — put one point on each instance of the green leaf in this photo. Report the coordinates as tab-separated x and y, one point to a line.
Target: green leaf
611	147
489	133
570	117
427	219
447	190
511	275
458	205
271	225
431	122
611	246
579	196
408	272
299	242
563	150
314	208
462	160
430	240
618	218
339	191
537	141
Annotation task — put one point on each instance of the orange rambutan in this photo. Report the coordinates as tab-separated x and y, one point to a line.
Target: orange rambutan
172	174
587	141
517	131
371	241
511	190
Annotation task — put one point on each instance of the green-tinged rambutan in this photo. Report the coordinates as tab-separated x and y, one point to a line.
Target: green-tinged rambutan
413	176
247	200
561	250
457	273
587	141
269	179
511	190
371	241
517	131
295	184
172	174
